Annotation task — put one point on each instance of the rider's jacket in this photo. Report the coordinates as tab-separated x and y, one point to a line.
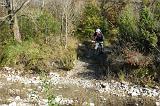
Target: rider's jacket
98	37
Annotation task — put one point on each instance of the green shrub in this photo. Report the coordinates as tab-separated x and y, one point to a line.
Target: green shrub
92	19
27	27
128	26
27	54
5	33
145	2
147	19
157	11
150	37
66	57
38	24
47	23
37	56
121	75
148	26
144	76
49	92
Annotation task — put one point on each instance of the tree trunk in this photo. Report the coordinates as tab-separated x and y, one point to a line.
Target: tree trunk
66	31
13	21
17	35
16	32
9	8
61	35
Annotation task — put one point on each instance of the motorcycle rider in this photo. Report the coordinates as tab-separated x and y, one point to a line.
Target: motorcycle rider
98	38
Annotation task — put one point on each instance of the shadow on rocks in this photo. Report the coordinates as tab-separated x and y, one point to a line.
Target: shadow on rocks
97	63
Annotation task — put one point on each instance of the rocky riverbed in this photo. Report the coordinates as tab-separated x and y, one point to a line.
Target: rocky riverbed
71	89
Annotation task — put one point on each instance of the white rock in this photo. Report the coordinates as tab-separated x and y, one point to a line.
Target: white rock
66	101
91	104
63	101
4	105
134	94
38	77
43	102
85	104
33	97
13	104
157	103
18	98
155	93
39	88
7	68
35	82
30	90
58	99
136	104
60	87
9	78
54	74
103	98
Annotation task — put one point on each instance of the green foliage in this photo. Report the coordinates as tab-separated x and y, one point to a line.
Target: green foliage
42	24
142	31
121	75
151	37
27	54
5	34
128	23
144	76
145	2
141	73
157	10
92	19
47	23
157	16
37	56
67	61
66	57
147	20
34	53
27	27
48	91
148	26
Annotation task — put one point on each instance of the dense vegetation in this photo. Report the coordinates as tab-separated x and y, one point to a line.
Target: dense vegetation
49	35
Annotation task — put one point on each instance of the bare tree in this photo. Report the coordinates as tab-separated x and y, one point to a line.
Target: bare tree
13	7
67	11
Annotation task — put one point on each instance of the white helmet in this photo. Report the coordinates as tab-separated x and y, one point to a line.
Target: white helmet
98	30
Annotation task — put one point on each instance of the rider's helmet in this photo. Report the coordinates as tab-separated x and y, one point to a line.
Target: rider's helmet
98	30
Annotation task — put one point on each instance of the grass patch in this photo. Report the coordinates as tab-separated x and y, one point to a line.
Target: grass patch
37	56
